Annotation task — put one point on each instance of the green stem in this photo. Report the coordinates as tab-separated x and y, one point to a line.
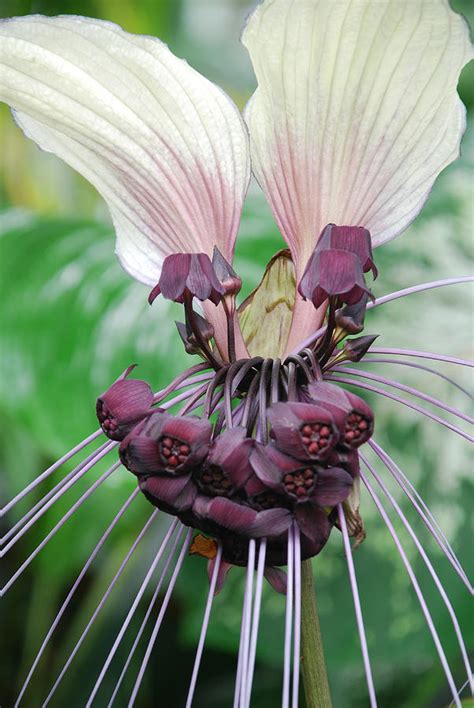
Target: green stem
313	664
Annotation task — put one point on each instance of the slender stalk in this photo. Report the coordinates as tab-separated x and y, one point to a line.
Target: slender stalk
313	664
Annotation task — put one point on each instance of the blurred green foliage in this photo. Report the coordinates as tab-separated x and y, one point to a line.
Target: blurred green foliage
72	321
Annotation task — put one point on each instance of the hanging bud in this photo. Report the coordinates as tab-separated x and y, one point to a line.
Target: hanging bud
188	274
354	239
166	444
189	339
123	405
350	318
303	430
356	349
333	273
352	415
226	275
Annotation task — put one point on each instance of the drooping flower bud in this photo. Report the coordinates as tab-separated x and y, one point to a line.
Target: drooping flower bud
351	317
188	274
355	239
352	415
226	275
333	273
227	466
123	405
303	430
205	329
166	444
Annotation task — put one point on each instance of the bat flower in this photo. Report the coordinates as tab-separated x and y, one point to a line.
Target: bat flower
355	114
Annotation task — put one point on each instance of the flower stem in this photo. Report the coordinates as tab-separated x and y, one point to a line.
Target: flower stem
313	664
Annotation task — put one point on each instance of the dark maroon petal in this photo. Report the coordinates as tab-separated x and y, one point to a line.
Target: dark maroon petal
313	523
332	273
174	274
154	294
228	514
123	405
140	454
176	492
224	568
356	349
277	578
355	239
270	465
202	281
270	523
332	487
311	548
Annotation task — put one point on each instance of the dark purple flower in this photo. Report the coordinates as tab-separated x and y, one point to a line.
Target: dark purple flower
123	405
351	413
227	466
333	273
299	482
188	274
170	494
303	430
355	239
166	444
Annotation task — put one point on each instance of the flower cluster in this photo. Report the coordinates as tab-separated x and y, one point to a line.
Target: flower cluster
285	451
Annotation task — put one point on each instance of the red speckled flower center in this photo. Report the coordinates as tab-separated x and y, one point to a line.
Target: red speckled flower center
107	421
357	428
173	451
300	483
316	437
212	480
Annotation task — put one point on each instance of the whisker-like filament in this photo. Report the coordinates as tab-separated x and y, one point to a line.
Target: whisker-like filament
44	475
357	606
423	355
404	402
42	506
101	604
429	565
204	626
410	364
131	612
72	591
420	288
247	621
417	589
58	526
422	509
256	617
185	379
151	605
352	371
288	622
297	616
159	620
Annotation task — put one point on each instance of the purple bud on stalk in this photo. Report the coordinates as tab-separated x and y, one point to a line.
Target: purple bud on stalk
353	417
226	275
188	274
303	430
355	239
333	273
123	405
351	317
227	467
356	349
166	444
